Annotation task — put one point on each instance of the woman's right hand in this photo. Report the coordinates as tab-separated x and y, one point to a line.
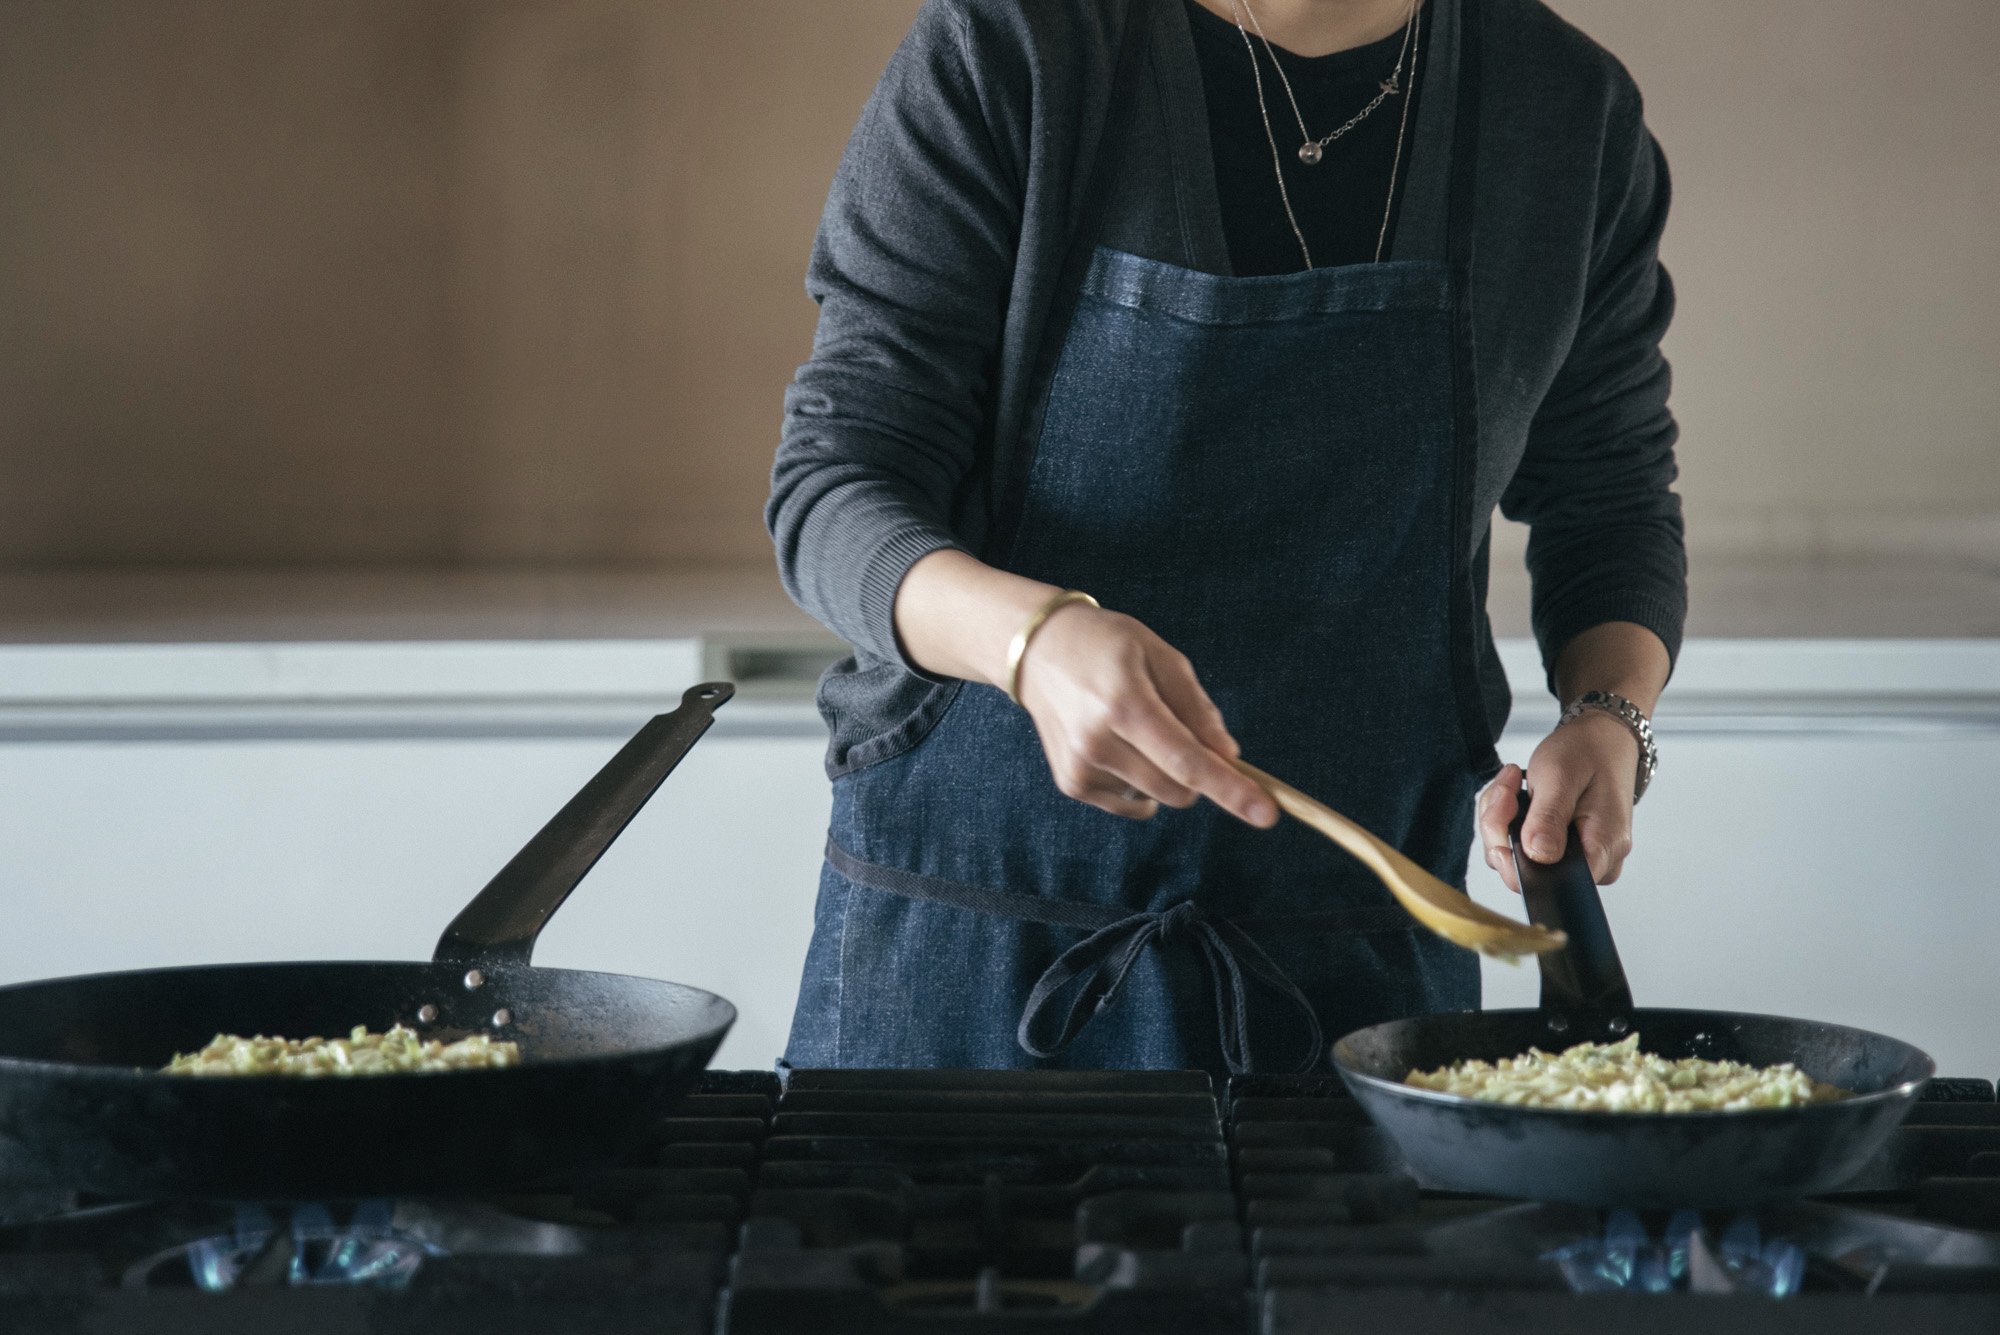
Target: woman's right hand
1122	719
1125	723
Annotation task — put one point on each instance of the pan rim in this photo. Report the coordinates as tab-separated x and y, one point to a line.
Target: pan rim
1902	1092
726	1018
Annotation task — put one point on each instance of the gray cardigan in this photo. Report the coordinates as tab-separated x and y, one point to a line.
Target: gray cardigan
995	153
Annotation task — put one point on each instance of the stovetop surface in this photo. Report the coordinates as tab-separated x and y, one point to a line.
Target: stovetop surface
921	1202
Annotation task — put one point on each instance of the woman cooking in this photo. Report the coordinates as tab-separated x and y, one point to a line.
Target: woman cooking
1173	356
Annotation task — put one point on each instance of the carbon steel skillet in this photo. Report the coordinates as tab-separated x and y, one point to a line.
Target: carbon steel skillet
1695	1160
82	1104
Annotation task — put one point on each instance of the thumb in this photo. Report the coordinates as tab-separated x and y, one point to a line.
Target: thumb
1545	833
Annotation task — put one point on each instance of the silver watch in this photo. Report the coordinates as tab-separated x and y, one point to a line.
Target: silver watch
1633	718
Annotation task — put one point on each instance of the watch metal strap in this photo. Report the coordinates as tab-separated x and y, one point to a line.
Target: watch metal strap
1634	718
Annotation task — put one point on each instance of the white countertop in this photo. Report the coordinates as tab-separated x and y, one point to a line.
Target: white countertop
389	605
1728	600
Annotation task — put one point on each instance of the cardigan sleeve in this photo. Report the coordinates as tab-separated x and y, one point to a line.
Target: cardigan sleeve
1595	485
911	270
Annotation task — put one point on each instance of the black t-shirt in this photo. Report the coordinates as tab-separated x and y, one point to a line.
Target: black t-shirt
1339	201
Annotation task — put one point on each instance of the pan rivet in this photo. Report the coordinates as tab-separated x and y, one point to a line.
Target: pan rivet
474	980
502	1018
427	1013
1558	1023
1619	1024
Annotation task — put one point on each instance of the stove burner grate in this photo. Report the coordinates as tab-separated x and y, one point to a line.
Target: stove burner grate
1024	1203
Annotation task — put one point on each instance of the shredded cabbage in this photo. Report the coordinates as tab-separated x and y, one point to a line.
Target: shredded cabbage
360	1053
1617	1077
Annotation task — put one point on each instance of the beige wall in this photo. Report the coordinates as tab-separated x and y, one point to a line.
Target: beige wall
409	280
1836	241
519	280
225	330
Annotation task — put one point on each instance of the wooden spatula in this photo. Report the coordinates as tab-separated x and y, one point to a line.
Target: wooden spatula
1430	901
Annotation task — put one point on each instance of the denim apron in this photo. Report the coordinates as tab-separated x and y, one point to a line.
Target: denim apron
1261	470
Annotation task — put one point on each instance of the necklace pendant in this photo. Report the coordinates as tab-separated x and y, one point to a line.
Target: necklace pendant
1310	153
1389	86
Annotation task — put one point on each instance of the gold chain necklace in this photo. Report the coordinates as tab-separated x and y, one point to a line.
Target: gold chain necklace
1312	150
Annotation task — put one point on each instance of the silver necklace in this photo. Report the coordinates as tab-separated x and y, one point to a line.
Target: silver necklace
1312	150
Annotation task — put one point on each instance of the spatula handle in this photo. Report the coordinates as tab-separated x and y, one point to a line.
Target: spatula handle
1583	984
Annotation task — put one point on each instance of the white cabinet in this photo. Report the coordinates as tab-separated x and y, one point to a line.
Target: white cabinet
1846	876
121	855
1822	840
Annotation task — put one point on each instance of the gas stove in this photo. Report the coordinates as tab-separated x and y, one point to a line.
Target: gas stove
1009	1203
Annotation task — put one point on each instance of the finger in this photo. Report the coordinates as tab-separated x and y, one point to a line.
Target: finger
1185	696
1118	799
1496	805
1077	778
1158	734
1498	802
1604	824
1188	705
1118	758
1546	831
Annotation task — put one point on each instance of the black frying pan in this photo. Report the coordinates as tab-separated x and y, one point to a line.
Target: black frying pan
1696	1160
82	1103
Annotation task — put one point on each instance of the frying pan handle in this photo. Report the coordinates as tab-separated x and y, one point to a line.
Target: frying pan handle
501	923
1583	983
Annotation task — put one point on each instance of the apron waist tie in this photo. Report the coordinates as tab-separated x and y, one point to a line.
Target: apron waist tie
1098	965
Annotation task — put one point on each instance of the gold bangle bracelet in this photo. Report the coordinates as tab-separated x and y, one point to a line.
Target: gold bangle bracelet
1018	648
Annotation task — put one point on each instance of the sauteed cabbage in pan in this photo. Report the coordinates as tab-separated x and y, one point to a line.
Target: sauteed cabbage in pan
360	1053
1617	1077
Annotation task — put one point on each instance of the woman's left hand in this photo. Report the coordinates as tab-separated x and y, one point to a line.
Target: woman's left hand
1582	772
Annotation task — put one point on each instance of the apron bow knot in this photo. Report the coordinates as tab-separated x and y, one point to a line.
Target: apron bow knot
1094	970
1178	919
